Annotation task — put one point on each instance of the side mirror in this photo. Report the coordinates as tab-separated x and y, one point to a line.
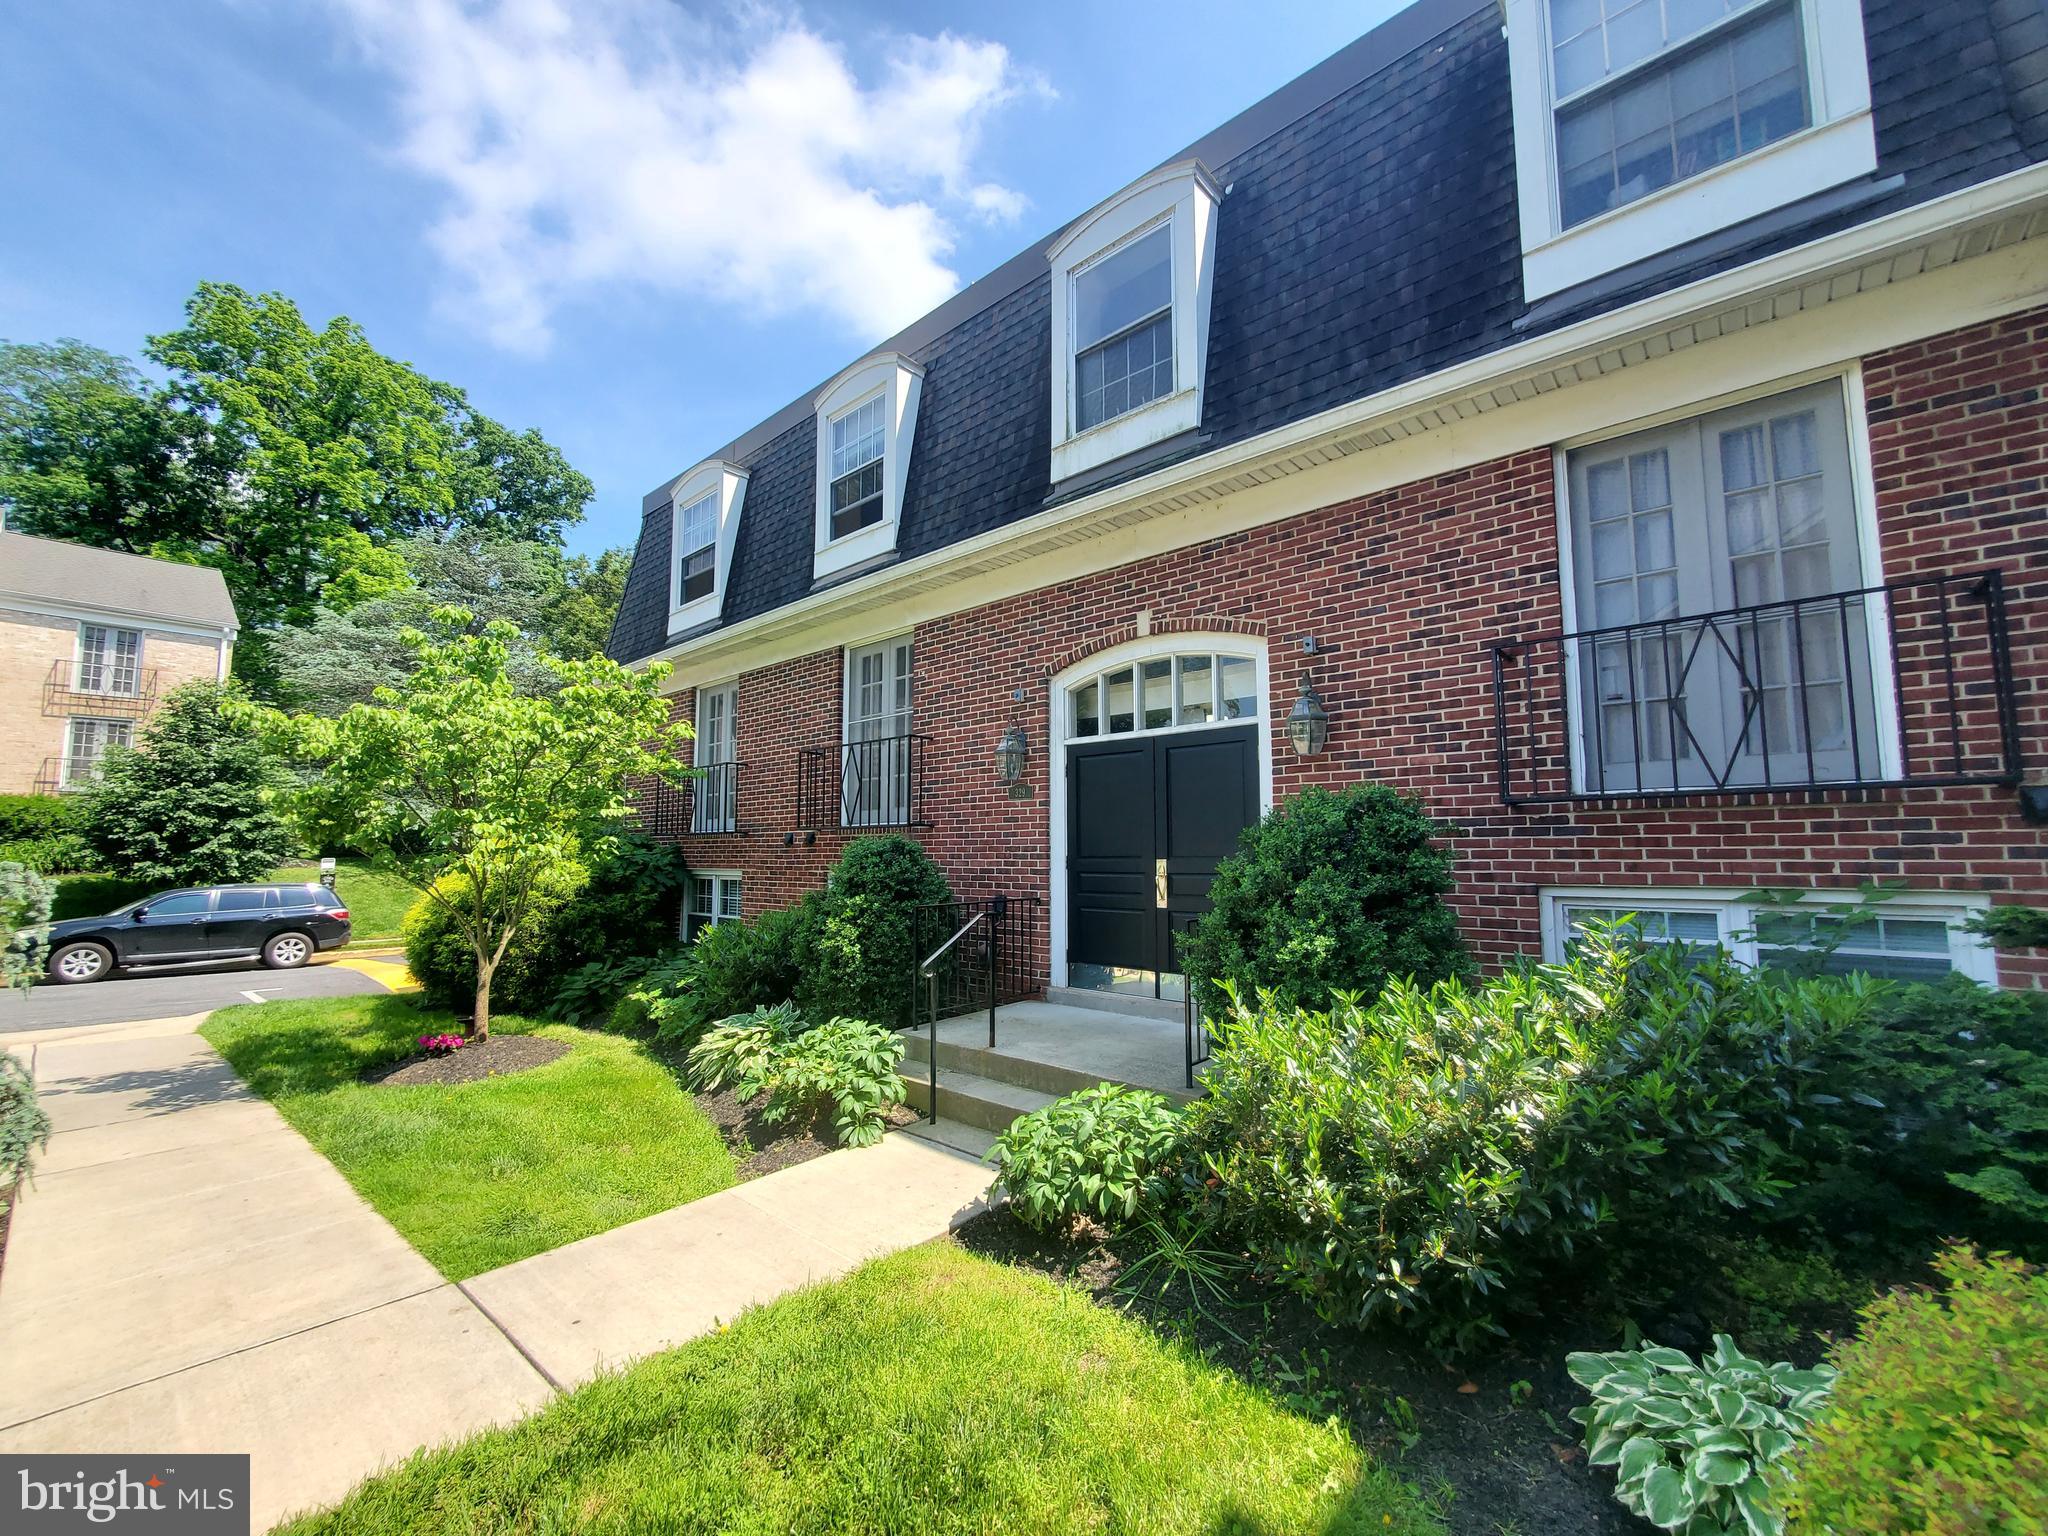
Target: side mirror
138	914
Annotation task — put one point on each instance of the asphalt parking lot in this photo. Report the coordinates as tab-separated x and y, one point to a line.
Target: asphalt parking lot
173	993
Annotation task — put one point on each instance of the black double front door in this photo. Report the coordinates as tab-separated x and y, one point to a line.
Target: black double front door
1148	819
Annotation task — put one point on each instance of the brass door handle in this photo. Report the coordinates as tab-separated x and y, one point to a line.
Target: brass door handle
1159	884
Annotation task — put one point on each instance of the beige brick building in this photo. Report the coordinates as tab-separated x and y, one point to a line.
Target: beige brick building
91	640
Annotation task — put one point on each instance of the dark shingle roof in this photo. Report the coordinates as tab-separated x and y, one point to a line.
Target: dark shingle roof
1369	236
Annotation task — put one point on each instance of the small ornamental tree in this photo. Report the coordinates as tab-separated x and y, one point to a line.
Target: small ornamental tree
25	899
194	803
461	773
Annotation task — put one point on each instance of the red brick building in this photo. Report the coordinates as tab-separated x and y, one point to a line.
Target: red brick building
1669	517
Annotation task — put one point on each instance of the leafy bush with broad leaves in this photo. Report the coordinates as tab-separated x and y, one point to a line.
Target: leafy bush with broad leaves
1939	1125
646	1000
735	967
846	1065
24	1127
856	951
1939	1424
62	855
1702	1446
193	803
442	959
1335	891
1089	1153
1423	1158
38	816
625	913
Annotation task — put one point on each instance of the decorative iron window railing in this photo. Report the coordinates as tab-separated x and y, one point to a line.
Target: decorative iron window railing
876	783
715	798
107	685
61	773
1909	683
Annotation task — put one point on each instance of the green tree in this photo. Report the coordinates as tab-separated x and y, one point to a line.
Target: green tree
579	620
461	773
194	803
289	457
25	900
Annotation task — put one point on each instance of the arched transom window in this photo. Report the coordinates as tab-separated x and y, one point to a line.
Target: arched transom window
1163	693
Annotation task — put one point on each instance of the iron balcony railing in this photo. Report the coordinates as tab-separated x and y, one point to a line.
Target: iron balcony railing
877	783
98	686
1194	1023
1909	683
715	799
62	773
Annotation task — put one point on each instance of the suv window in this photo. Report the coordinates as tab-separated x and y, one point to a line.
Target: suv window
243	901
183	904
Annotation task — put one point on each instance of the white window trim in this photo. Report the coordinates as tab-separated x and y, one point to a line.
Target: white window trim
1840	146
1186	195
1149	648
719	877
1870	559
729	482
901	384
78	656
1968	954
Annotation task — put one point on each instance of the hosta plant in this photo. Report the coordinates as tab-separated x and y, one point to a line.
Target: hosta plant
1086	1154
735	1053
1699	1447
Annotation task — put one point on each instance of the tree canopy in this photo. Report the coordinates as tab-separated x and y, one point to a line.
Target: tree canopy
290	457
486	797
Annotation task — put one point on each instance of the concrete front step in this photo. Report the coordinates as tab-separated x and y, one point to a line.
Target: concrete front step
966	1099
1012	1067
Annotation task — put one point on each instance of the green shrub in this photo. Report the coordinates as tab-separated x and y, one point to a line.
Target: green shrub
439	954
665	978
625	912
192	803
845	1065
1939	1425
597	989
735	1053
95	895
740	966
1335	891
1089	1153
1941	1124
25	902
24	1127
62	854
1415	1158
1700	1447
856	946
38	816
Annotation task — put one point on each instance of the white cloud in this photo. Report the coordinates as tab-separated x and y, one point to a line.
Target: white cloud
599	142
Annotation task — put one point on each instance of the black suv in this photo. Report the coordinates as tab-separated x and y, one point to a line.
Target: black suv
284	925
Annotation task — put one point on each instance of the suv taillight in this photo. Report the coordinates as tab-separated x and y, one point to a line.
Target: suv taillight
340	912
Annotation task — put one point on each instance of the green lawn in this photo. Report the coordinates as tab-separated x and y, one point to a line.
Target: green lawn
377	902
480	1174
932	1391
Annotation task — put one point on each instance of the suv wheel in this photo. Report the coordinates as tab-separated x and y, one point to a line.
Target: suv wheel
75	963
287	951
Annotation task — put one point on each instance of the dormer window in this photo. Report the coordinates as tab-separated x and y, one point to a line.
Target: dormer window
1130	316
705	509
1123	329
857	457
867	423
1643	125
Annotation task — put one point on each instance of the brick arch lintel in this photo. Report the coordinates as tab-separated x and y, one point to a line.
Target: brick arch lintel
1123	634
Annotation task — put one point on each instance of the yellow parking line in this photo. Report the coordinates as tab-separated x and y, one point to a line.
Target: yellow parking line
391	975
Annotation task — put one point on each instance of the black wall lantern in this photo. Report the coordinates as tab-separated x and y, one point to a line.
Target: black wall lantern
1308	723
1010	754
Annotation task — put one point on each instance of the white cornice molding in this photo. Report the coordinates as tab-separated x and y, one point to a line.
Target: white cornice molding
1913	246
73	611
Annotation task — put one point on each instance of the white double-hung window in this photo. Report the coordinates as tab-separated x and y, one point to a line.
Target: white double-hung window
87	746
880	766
714	897
714	802
704	520
1130	319
867	424
1725	634
1641	125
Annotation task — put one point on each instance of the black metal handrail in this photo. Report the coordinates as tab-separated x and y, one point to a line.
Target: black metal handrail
78	683
61	773
715	798
989	958
874	783
1194	1028
1699	695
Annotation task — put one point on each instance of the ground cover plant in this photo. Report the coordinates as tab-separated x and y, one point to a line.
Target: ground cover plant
1086	1154
484	1173
929	1392
843	1067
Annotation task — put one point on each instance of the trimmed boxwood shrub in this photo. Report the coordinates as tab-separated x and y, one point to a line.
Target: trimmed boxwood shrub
1939	1419
1335	891
442	960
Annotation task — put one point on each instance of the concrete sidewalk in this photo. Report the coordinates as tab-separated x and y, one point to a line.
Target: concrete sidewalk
667	1278
185	1273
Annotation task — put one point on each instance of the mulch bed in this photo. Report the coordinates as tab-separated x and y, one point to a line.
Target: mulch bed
499	1056
1495	1433
763	1148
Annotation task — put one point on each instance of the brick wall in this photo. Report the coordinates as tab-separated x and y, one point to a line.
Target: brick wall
1405	591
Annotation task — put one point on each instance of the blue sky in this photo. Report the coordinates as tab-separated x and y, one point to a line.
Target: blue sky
637	225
